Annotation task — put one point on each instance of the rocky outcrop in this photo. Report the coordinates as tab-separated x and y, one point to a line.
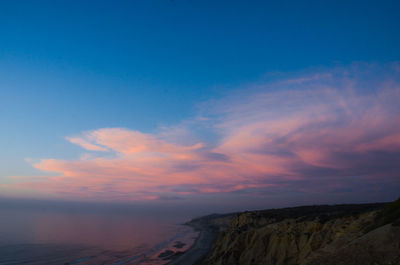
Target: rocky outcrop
340	234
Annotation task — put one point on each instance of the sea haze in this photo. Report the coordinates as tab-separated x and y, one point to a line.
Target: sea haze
42	232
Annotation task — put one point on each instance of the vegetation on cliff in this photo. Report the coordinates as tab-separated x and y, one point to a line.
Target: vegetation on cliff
390	214
310	235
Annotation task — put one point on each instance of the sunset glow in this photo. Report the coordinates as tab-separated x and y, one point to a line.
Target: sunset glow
319	133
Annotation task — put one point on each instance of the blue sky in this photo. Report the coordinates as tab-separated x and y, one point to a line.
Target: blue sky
69	67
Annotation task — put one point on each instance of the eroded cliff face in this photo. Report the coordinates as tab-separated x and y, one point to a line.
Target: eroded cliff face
307	236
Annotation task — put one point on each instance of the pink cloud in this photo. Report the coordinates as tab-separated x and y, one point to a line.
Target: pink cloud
85	144
319	130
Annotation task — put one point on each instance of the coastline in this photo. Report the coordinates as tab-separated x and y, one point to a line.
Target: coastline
208	230
310	235
200	247
211	226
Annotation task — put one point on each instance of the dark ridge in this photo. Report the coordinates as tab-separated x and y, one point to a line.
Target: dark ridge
389	214
323	212
210	217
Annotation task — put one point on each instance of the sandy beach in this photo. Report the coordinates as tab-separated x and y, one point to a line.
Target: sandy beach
200	247
208	228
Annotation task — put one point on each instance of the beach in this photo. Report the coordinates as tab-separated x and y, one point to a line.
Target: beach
200	247
208	227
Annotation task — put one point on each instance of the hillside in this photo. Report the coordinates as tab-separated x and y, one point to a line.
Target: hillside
309	235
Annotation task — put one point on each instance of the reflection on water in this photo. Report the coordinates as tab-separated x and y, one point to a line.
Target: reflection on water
43	234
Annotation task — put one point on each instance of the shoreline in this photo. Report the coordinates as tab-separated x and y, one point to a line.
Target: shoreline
209	228
201	246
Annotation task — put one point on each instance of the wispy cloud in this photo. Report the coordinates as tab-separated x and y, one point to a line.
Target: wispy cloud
331	131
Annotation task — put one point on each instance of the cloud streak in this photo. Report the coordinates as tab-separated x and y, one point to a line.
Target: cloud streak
332	131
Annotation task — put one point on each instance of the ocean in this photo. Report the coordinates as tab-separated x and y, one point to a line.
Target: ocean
41	233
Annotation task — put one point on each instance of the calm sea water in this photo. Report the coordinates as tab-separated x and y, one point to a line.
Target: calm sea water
42	233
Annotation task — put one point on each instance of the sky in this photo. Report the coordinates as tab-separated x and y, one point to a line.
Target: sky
229	103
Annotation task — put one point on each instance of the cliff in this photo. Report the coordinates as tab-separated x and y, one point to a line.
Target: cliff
340	234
